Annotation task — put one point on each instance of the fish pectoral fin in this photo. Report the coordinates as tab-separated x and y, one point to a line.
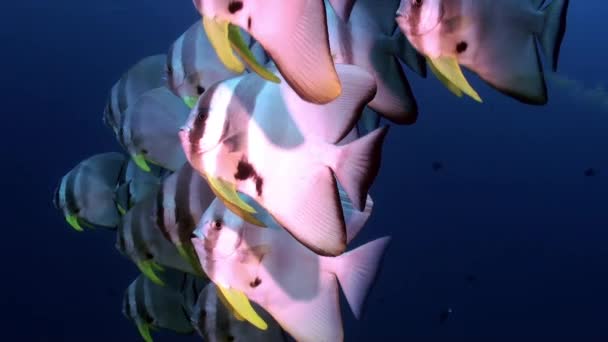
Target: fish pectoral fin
218	33
190	101
148	269
241	48
241	305
141	162
450	71
144	331
72	220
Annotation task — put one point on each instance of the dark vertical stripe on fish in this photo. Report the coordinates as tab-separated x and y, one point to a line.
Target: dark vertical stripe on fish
198	126
189	51
121	93
70	198
184	220
160	214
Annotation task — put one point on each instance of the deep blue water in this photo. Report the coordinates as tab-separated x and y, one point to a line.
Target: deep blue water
511	207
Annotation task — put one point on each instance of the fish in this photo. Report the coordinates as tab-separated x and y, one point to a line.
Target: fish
293	33
85	195
141	240
135	185
590	172
495	39
183	198
359	35
437	166
149	129
144	75
444	315
151	306
215	323
296	286
261	139
192	65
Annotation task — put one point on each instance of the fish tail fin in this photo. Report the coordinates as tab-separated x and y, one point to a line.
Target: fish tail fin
354	219
358	164
369	121
356	271
406	53
554	30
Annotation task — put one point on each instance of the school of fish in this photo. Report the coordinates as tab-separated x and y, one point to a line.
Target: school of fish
250	148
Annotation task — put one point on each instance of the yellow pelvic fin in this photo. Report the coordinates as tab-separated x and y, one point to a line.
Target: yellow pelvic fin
189	254
226	191
144	331
228	306
240	303
450	71
217	32
190	101
451	86
239	46
72	220
121	210
147	268
141	162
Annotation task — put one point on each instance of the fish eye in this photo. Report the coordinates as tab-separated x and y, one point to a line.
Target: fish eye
200	90
202	114
235	6
217	224
169	69
144	151
149	255
417	3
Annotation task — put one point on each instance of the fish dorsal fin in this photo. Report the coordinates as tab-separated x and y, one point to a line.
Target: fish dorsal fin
333	121
343	8
450	70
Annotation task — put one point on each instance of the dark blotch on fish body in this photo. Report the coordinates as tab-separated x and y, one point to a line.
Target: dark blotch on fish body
244	171
461	47
256	282
235	6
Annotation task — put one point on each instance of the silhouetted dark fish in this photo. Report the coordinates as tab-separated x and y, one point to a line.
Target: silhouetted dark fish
444	315
471	278
437	166
591	172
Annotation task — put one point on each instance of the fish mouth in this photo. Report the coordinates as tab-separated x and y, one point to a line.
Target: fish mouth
410	19
226	40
